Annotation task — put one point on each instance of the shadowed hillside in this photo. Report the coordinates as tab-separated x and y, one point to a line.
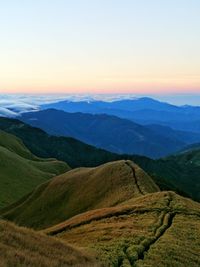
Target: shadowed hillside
170	173
97	130
21	171
190	154
151	230
66	149
81	190
22	247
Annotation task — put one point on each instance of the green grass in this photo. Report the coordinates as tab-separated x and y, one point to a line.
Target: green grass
78	191
21	171
189	157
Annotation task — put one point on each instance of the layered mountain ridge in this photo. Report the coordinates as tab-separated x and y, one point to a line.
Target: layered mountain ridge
111	133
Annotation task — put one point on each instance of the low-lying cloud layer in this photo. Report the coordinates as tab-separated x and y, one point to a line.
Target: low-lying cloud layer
13	104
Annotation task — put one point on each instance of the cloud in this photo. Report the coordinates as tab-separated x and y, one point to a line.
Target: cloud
12	105
4	112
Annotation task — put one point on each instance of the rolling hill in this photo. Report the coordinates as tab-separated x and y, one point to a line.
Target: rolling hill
23	247
115	212
78	191
169	173
159	229
111	133
190	155
21	171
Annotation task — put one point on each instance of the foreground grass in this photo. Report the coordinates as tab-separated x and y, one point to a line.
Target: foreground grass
180	246
152	230
20	247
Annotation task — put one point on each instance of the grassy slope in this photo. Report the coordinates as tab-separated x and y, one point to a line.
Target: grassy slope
189	157
152	230
22	247
21	171
81	190
169	174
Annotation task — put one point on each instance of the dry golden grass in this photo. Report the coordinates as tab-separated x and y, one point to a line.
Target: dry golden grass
152	230
114	211
80	190
21	247
179	246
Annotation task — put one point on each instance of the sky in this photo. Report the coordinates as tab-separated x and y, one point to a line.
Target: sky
100	46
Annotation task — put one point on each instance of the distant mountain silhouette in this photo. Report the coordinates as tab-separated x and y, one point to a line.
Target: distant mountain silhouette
111	133
143	110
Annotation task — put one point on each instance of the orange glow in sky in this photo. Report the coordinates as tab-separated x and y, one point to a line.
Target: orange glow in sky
100	46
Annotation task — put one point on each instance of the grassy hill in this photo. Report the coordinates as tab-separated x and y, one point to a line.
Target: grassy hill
159	229
115	212
21	171
190	154
81	190
169	173
22	247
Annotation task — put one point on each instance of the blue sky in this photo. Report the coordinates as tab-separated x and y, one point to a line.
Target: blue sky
82	46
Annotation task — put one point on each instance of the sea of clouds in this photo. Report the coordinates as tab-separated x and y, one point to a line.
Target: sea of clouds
12	105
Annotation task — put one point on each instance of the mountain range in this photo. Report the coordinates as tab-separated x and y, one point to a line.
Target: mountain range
112	133
142	110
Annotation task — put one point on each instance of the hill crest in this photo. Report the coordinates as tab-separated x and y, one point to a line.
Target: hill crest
80	190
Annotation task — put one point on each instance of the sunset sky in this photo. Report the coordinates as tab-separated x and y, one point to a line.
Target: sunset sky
100	46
